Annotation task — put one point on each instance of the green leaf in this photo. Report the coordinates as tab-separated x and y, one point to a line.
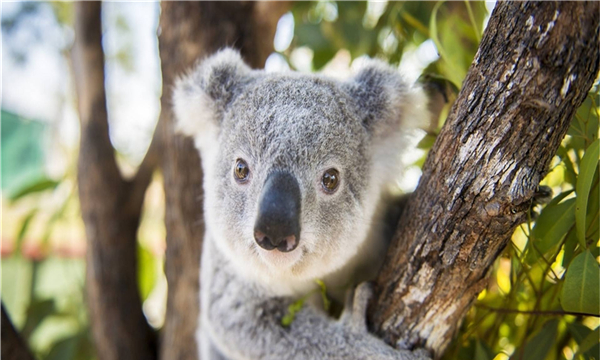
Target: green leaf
426	142
326	302
77	346
433	32
569	249
63	349
147	272
588	167
538	346
24	226
590	341
292	310
552	225
37	311
570	175
584	336
580	292
578	331
482	351
38	186
558	198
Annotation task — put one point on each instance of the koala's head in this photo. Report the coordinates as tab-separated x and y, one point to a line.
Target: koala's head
293	164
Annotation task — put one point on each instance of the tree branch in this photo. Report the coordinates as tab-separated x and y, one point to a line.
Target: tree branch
119	327
13	346
534	312
140	182
534	67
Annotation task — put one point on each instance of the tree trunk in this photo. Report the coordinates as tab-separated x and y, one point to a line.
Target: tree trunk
534	67
12	345
188	32
110	207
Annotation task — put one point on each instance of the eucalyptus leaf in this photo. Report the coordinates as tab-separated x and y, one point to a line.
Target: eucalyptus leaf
483	351
580	292
323	291
578	331
587	169
41	185
552	225
293	308
590	341
37	311
24	227
147	272
583	336
426	142
569	248
538	346
570	175
63	349
78	346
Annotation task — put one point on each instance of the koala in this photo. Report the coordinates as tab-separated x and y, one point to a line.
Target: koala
296	168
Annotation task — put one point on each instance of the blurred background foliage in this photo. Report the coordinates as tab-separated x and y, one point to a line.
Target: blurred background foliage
542	300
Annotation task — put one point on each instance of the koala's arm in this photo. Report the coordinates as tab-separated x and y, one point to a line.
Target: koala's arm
242	322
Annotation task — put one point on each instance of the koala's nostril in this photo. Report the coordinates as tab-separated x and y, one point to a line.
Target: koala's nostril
263	240
283	244
288	243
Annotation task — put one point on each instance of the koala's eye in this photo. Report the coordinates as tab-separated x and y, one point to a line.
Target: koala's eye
330	180
241	171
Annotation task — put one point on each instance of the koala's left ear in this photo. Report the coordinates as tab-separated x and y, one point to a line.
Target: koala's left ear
385	100
201	96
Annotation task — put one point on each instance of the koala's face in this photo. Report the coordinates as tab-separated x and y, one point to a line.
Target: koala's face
293	164
293	168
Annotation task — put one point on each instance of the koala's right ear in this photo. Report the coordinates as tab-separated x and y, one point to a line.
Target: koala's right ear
201	96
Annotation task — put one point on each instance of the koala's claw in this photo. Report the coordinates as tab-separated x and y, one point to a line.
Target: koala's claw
355	318
355	307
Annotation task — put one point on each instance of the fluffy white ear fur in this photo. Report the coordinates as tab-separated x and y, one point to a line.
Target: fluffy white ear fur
414	108
388	101
194	111
391	107
200	96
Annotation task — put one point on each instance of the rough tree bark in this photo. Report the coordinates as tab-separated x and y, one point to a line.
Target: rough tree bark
534	67
110	207
13	346
188	32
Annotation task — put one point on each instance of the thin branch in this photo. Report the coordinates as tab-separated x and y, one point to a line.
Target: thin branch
13	347
535	312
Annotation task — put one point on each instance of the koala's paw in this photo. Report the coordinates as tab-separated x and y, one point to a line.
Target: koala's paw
355	307
355	318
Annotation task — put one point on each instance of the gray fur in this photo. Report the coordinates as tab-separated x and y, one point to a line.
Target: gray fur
302	124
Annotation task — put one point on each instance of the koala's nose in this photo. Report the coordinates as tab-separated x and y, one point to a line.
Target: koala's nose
278	223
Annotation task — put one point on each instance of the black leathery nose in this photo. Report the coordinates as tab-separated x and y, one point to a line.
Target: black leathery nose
278	222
